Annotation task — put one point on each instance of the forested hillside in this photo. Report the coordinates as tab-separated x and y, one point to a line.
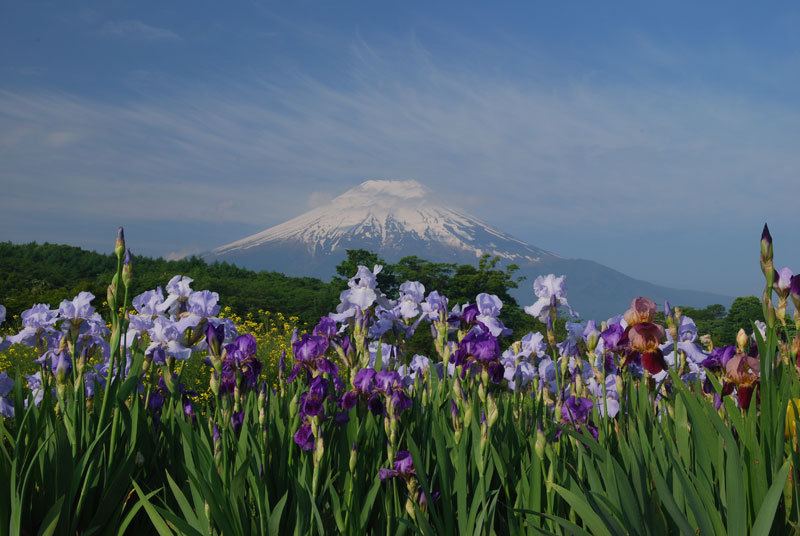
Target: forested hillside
48	273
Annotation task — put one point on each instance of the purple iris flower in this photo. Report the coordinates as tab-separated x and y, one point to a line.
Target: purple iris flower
419	364
433	305
61	365
612	338
469	313
237	420
687	335
326	328
215	335
340	418
364	380
575	413
312	403
387	380
349	400
481	347
400	401
569	346
35	386
304	437
240	361
309	347
518	374
375	404
533	344
547	372
308	352
6	386
403	467
725	354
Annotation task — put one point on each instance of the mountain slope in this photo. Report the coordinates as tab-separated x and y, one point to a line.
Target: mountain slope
385	216
400	218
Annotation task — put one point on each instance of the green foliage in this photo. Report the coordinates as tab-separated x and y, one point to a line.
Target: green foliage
48	273
669	462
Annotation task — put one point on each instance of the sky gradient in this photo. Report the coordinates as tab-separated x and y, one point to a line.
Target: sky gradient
656	141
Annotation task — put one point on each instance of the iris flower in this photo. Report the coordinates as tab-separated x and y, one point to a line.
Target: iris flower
6	405
552	293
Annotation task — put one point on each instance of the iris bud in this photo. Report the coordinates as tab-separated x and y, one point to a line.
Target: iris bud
127	270
540	444
742	340
766	247
493	413
119	246
353	458
467	415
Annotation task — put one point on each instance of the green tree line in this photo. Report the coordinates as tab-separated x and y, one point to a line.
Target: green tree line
48	273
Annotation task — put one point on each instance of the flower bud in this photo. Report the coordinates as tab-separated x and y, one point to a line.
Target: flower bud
742	340
110	296
353	458
61	366
467	415
127	269
766	250
493	413
119	246
540	444
214	337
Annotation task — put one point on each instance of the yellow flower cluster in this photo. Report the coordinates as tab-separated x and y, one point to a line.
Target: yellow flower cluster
273	333
18	356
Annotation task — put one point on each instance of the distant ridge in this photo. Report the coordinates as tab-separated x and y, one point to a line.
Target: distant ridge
397	218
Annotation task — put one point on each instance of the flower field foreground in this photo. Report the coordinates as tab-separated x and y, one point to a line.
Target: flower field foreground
625	426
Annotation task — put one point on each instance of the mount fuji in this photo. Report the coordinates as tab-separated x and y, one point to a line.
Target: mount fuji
397	218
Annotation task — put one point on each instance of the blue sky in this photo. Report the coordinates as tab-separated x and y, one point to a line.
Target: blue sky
655	140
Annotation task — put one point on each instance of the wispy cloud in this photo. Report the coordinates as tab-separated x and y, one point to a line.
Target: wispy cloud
136	29
541	160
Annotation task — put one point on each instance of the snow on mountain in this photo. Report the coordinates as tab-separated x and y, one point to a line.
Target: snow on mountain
389	216
398	218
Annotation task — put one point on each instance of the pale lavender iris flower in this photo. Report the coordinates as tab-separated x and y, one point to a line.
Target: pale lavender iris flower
489	307
165	335
552	292
411	294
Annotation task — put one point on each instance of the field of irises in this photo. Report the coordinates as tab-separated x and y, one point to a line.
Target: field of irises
625	426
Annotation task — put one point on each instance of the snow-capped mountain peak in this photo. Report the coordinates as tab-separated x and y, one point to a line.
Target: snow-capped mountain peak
392	217
398	218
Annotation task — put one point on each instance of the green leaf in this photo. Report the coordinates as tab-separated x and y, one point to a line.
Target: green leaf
766	514
583	509
275	516
158	521
50	520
